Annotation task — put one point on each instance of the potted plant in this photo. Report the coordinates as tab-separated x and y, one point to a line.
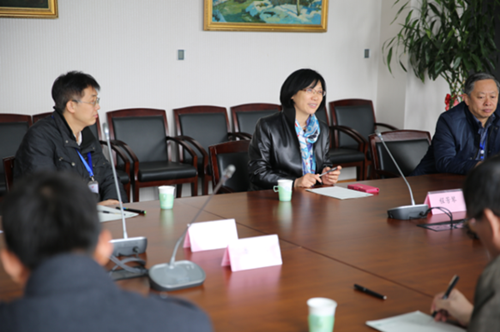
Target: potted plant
447	38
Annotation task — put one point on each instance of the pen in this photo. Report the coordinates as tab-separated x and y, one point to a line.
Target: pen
452	284
370	292
331	170
132	210
108	212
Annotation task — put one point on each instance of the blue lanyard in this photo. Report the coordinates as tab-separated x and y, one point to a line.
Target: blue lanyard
88	165
482	143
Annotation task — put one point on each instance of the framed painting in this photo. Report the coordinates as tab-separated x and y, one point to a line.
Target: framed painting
28	8
266	15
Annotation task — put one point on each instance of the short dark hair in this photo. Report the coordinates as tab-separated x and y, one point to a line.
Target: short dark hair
297	81
472	79
48	214
481	188
70	86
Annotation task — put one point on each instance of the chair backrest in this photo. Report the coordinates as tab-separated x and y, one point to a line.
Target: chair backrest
143	130
231	153
322	114
95	128
407	146
353	113
208	125
245	116
13	127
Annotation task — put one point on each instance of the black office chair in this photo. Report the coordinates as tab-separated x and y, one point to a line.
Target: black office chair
8	166
13	127
231	153
143	134
407	147
357	116
122	169
203	126
342	156
245	116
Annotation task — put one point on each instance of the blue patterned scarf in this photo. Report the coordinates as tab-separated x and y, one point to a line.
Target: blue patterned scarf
306	140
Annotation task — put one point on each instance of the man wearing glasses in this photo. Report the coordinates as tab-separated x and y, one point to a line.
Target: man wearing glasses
482	199
468	133
64	141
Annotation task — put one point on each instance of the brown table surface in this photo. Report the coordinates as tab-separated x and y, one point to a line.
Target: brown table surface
327	245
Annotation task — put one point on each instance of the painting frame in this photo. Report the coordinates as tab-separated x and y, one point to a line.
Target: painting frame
209	25
31	12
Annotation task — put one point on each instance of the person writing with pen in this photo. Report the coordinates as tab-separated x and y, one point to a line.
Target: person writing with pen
482	199
293	144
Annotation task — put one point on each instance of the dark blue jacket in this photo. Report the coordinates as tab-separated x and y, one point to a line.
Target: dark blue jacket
455	144
71	292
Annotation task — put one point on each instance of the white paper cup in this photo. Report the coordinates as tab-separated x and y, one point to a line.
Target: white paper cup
284	188
167	194
321	314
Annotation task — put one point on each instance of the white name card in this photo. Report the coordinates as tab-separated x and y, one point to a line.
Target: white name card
453	200
211	235
253	253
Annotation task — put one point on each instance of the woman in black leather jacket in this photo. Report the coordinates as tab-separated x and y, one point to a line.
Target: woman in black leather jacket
293	144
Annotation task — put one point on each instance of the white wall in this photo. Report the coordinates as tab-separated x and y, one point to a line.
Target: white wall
130	47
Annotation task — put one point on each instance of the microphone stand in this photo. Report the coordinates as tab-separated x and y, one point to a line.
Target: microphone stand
183	274
406	212
126	246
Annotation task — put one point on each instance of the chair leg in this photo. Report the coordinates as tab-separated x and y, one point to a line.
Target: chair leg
179	190
126	187
194	187
206	180
136	192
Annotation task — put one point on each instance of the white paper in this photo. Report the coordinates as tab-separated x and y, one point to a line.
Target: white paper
412	322
339	192
211	235
113	214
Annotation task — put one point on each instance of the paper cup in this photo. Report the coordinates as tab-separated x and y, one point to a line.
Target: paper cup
166	197
321	314
284	188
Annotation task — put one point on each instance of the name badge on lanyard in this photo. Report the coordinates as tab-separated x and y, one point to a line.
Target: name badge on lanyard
93	184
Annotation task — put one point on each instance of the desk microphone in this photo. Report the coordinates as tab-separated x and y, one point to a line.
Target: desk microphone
183	274
126	246
406	212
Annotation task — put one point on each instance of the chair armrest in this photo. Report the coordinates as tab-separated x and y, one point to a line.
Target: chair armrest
362	142
242	136
119	152
194	156
199	148
385	125
131	154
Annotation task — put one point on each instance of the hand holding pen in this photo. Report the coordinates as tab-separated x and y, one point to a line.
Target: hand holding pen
452	303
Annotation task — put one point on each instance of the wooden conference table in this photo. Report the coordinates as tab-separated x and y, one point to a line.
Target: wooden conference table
327	245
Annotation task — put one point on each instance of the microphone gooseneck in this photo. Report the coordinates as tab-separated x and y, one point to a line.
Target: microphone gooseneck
406	212
397	166
118	192
126	246
184	274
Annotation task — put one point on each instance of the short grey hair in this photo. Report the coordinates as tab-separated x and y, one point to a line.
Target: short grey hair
472	79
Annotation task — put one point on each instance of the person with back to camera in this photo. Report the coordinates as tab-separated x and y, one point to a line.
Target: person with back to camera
56	250
482	199
293	144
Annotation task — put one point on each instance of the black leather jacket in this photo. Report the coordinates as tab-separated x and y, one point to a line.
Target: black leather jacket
50	145
274	151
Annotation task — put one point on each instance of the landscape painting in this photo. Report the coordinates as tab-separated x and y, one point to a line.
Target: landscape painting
266	15
28	8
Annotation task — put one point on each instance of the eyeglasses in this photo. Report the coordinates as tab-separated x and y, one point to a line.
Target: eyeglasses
93	103
311	91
